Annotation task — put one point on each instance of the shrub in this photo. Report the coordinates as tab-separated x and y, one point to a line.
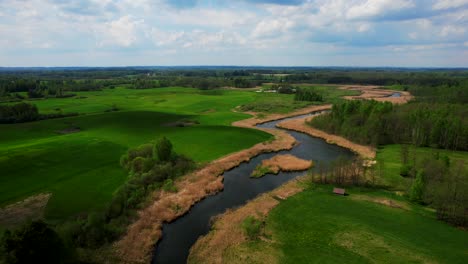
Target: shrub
34	243
163	149
405	170
252	227
169	186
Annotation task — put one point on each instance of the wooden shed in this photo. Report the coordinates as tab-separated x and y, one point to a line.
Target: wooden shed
339	191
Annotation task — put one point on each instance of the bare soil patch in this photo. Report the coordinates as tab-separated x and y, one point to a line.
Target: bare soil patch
31	208
182	123
279	163
228	233
69	130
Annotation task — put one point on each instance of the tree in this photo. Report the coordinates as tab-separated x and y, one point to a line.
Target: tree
163	149
417	189
34	243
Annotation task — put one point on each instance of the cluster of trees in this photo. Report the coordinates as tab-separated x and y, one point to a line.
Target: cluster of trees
439	182
18	113
307	94
25	112
35	242
422	124
343	172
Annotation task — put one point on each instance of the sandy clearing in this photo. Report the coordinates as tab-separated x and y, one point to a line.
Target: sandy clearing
31	208
227	232
279	163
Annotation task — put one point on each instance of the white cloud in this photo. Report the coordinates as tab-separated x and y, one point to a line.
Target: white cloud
446	4
272	27
371	8
122	32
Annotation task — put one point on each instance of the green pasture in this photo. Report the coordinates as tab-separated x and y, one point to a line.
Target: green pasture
392	162
316	226
82	170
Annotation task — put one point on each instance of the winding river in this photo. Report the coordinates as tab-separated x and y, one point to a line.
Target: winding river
180	235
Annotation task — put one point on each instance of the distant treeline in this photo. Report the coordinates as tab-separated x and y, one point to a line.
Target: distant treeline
24	112
422	124
88	79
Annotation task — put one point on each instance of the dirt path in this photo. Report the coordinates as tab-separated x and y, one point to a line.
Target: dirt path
137	244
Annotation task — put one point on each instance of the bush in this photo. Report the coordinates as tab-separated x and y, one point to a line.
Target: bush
252	227
163	149
18	113
169	186
405	170
34	243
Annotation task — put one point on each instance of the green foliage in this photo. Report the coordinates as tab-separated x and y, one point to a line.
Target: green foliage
422	124
163	149
405	170
260	171
315	226
169	186
308	94
18	113
35	242
252	227
417	189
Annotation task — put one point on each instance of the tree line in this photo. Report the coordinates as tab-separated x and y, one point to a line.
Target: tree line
377	123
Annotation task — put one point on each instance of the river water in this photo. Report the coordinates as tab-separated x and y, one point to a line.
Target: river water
180	235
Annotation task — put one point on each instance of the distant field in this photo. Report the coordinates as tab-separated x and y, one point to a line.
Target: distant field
82	169
283	103
391	155
316	226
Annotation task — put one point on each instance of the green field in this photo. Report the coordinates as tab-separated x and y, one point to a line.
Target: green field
316	226
391	157
82	170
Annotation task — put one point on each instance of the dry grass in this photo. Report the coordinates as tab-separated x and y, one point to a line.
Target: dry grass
383	201
31	208
279	163
219	245
300	125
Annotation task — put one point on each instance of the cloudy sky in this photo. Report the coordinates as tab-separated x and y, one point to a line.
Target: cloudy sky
429	33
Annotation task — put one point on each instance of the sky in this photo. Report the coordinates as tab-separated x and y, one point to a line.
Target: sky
394	33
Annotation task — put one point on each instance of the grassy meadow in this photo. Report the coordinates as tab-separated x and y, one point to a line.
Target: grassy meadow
316	226
390	155
82	170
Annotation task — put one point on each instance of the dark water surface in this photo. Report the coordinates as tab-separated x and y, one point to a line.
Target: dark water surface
180	235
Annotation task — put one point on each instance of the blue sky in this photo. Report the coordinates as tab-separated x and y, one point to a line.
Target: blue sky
413	33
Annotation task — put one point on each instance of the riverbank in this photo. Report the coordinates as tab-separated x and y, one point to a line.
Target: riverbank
300	125
228	232
137	244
